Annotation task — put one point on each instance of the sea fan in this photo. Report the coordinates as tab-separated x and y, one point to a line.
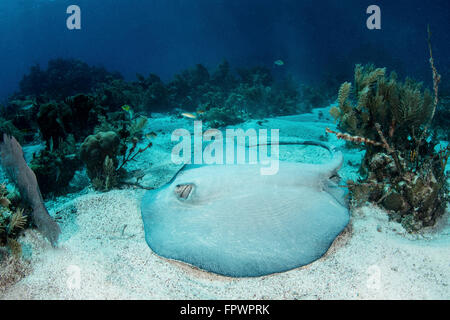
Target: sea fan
18	171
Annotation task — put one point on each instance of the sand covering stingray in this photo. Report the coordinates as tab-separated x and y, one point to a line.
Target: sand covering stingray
231	220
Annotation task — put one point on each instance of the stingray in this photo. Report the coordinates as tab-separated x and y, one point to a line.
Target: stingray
233	221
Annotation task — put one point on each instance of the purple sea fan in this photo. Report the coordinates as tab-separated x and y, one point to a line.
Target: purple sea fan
16	168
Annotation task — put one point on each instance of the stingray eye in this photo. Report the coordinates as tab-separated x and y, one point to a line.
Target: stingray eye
183	191
335	178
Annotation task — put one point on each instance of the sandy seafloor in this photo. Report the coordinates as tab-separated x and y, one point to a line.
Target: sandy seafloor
102	252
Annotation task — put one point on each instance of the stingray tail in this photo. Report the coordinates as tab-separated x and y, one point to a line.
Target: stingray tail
331	168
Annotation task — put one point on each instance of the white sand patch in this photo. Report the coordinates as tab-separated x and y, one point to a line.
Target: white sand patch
372	259
103	239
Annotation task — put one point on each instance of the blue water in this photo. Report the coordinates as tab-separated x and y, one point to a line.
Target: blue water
313	38
231	221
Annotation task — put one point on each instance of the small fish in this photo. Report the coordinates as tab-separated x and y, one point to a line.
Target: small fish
200	111
128	109
151	135
189	115
279	63
28	107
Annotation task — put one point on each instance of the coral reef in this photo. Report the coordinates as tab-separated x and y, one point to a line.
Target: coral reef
402	171
311	97
53	119
72	89
19	119
188	88
8	127
84	114
225	99
260	100
76	115
100	152
12	220
63	78
73	100
55	168
145	94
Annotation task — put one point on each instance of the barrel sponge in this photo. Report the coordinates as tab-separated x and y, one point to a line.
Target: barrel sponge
95	148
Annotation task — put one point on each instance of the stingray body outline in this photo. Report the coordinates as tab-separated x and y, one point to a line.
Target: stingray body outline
233	221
